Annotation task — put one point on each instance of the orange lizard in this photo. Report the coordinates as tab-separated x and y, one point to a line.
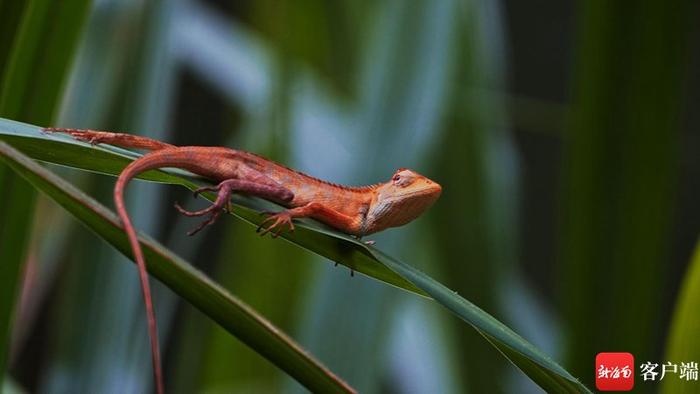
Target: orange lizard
353	210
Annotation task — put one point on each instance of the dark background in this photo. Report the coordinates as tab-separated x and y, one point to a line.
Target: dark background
565	135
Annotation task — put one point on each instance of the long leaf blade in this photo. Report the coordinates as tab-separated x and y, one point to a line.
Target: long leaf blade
231	313
337	247
683	343
32	31
538	366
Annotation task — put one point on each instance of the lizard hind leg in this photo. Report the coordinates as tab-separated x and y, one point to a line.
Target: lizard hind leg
225	189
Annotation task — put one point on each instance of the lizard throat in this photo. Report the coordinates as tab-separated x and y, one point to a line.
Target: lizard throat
397	211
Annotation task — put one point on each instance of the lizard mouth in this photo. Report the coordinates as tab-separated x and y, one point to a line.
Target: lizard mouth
433	188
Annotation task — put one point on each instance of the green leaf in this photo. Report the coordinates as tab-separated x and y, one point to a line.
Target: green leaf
683	342
231	313
122	78
31	83
310	235
38	39
538	366
620	175
17	198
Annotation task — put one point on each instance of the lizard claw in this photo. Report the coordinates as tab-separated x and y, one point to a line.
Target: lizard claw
205	223
90	140
201	190
214	215
220	205
279	221
201	212
89	136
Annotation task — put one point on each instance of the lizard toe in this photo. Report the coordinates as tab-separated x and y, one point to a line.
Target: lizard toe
261	226
281	222
214	216
201	212
201	190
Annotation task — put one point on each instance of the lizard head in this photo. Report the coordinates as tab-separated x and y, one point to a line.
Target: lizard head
400	200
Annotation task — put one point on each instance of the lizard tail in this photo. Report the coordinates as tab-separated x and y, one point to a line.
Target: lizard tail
147	162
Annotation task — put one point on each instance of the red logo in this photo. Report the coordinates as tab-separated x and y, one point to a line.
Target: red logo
614	371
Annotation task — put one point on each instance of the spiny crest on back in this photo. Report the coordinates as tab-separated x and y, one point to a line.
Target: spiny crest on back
312	178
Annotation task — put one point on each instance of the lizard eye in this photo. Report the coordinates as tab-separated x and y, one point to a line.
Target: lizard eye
396	177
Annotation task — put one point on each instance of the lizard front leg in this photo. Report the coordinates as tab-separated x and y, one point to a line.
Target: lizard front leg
225	189
313	210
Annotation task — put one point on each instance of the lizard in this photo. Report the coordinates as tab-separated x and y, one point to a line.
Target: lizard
357	211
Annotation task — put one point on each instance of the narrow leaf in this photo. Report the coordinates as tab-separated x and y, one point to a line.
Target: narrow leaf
30	86
318	239
228	311
683	342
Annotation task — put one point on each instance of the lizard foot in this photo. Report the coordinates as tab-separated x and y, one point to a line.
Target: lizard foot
222	199
214	216
92	137
279	221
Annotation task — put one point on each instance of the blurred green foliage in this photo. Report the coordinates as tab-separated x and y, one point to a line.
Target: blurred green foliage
621	177
683	345
31	32
349	91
